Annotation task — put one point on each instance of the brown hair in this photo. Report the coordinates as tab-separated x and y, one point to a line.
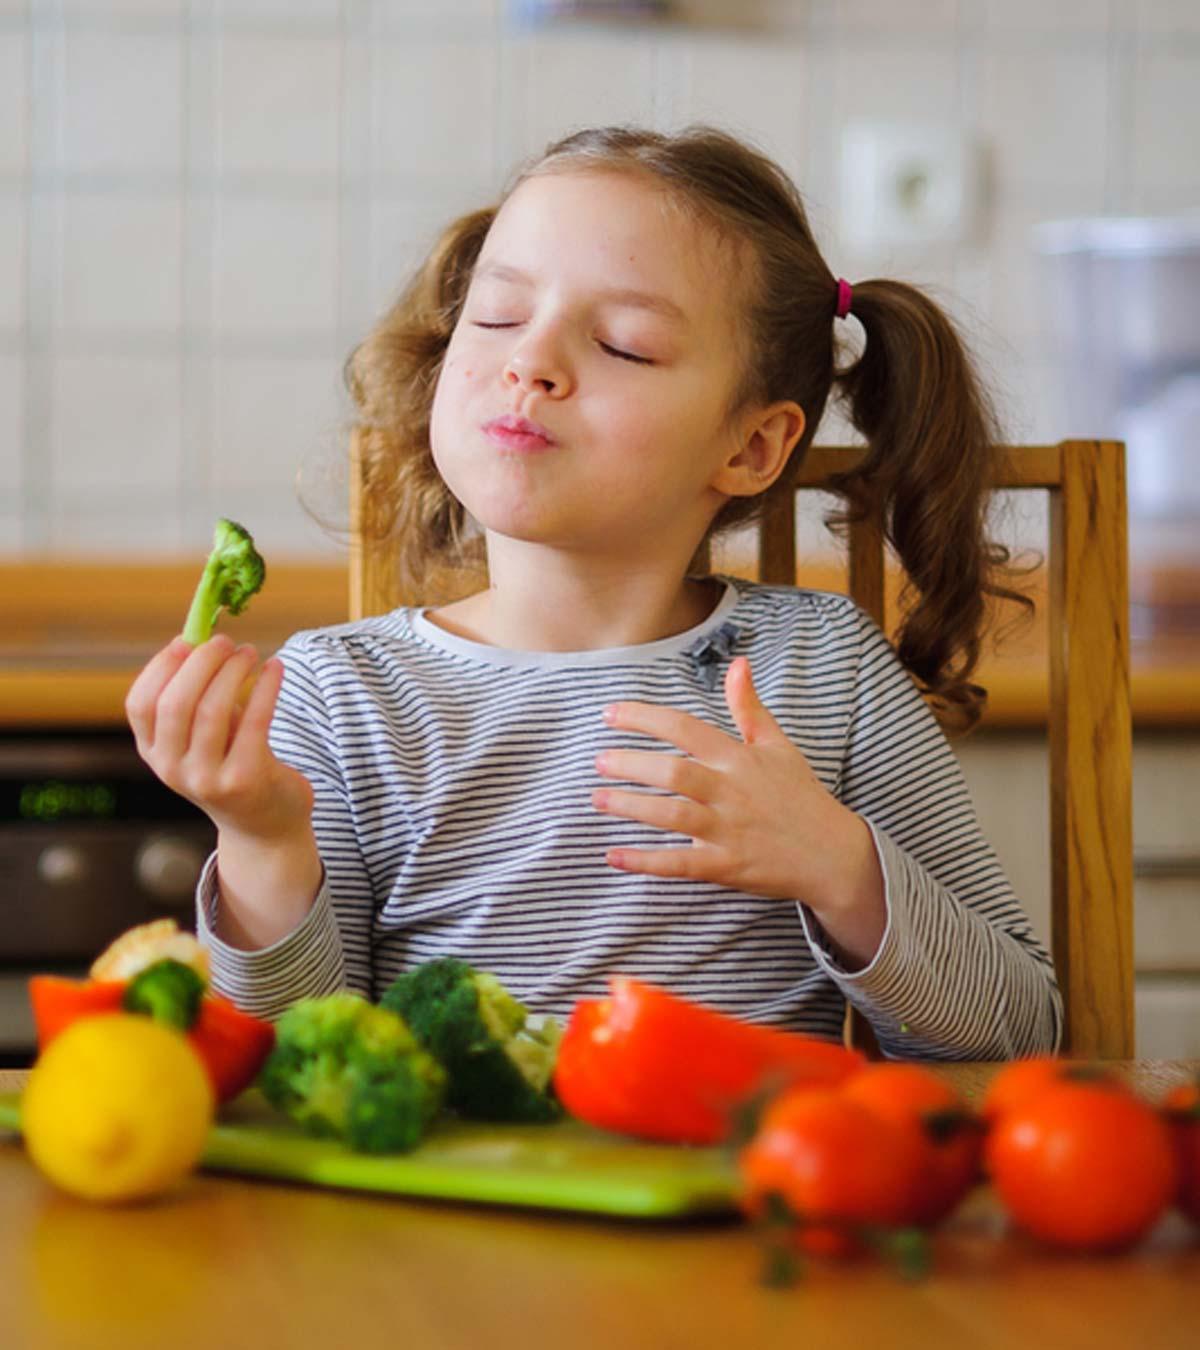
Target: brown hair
912	393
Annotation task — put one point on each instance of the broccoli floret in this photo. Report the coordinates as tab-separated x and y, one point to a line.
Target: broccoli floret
168	991
234	572
343	1068
499	1065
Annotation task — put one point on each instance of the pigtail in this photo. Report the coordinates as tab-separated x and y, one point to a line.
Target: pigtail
405	506
931	431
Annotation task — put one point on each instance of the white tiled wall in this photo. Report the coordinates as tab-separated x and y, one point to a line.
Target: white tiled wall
204	203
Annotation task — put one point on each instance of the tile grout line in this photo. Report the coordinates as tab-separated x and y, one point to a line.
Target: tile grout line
44	224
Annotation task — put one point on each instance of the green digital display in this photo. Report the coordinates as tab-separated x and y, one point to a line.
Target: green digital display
54	800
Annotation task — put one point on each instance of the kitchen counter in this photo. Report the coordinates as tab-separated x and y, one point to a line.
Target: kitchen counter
74	634
230	1261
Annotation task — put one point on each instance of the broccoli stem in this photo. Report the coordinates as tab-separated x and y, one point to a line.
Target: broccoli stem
206	603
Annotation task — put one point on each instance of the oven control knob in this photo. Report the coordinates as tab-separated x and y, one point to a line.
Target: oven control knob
169	867
62	865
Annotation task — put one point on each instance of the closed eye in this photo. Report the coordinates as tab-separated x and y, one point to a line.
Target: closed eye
612	351
626	356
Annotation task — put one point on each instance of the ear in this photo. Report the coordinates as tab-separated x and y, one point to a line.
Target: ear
764	447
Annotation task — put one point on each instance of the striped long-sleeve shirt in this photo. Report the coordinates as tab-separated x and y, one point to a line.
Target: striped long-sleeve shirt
453	812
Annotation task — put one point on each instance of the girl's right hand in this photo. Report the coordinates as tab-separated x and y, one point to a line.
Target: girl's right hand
184	712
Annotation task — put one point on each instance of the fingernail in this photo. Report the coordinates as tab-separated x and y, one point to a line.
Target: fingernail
610	713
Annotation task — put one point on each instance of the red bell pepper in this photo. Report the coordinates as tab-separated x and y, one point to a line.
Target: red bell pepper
58	1002
232	1044
648	1063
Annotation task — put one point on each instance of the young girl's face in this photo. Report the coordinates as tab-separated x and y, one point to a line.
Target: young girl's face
609	321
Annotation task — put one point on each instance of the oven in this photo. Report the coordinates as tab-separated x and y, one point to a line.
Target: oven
91	843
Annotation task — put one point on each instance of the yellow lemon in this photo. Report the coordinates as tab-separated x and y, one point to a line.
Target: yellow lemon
117	1108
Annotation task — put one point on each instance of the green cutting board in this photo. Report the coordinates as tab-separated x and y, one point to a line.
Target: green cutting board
566	1165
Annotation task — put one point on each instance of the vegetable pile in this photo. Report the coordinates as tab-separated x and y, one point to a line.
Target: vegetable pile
1076	1158
836	1157
162	973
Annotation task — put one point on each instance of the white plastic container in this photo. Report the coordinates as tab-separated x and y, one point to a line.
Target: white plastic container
1121	308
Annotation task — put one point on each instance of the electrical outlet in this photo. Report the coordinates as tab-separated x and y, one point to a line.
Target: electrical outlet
907	183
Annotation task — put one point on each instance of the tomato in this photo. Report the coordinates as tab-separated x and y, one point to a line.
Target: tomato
1182	1109
1018	1081
1083	1164
648	1063
948	1134
834	1162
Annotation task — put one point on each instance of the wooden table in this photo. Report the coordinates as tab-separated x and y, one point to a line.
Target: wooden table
231	1263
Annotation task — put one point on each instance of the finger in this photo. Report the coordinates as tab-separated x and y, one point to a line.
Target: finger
142	699
176	704
250	740
215	711
750	715
689	734
693	862
665	813
656	768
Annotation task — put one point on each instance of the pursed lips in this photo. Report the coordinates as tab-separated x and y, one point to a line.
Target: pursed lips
518	433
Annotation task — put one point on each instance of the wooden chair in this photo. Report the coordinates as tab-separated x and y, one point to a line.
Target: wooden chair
1089	725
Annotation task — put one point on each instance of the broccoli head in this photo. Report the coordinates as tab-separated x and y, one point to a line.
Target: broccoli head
168	991
346	1069
499	1065
233	573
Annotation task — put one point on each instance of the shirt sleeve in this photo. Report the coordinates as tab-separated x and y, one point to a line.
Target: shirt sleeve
959	972
329	948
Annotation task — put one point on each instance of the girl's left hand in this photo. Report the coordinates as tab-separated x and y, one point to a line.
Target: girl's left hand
759	819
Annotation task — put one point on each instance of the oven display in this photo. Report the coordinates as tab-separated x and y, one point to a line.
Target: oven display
50	801
56	800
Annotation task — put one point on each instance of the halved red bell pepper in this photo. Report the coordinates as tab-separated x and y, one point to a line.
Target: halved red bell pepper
648	1063
232	1044
57	1002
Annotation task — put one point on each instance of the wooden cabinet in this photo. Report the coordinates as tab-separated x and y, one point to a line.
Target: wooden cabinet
1007	774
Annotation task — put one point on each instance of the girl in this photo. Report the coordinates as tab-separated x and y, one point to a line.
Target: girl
605	761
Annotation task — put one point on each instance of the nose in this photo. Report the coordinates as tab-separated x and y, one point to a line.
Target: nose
537	363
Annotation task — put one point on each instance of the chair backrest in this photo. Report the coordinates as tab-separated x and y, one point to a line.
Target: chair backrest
1089	722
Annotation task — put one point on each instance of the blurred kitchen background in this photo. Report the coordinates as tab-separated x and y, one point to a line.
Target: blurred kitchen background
204	205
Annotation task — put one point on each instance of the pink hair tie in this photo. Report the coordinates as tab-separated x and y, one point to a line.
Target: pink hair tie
844	292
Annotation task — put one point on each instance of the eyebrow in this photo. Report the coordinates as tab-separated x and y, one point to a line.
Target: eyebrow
621	295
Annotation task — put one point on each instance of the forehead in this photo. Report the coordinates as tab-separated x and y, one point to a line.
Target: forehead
614	232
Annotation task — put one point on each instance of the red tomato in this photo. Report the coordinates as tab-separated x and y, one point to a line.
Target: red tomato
1182	1108
948	1135
1018	1081
1085	1165
834	1162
